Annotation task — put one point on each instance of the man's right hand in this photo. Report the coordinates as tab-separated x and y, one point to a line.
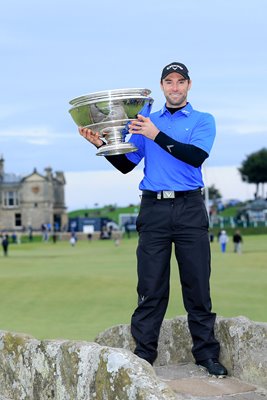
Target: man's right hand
92	137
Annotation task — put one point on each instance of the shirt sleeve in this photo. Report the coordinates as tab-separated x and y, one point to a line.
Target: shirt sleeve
203	134
139	142
121	163
187	153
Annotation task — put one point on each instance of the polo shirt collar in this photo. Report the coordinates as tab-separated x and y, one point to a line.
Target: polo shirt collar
187	110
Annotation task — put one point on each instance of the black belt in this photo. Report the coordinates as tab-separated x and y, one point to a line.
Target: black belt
169	194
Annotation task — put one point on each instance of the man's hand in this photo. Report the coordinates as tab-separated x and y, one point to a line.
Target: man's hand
143	126
92	137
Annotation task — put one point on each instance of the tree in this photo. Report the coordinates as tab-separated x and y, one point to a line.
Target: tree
214	193
254	169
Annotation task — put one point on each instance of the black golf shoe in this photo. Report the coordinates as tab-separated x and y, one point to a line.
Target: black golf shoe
214	367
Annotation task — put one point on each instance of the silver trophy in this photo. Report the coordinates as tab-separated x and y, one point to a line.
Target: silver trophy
109	113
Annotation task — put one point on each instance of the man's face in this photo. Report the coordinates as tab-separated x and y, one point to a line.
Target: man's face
175	88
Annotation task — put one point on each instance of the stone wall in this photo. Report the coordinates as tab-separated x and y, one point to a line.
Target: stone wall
243	345
68	370
107	369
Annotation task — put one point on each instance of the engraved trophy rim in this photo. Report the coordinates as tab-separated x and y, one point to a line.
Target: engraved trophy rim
113	94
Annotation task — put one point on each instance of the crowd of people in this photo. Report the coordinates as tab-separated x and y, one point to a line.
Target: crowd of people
106	234
223	240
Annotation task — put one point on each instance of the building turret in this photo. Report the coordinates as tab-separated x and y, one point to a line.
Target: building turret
49	175
60	177
2	161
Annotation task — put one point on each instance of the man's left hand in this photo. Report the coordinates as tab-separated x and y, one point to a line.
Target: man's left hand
143	126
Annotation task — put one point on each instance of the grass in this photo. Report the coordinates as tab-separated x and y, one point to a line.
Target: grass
239	284
111	212
58	291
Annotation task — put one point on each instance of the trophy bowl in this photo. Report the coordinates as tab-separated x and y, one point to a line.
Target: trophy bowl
109	112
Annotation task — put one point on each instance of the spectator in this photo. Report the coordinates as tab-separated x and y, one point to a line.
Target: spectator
73	239
237	240
14	237
104	234
5	243
127	229
223	240
30	234
211	236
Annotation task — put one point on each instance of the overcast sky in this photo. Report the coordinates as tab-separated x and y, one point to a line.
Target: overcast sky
53	51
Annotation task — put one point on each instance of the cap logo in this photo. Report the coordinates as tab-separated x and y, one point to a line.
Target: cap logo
175	67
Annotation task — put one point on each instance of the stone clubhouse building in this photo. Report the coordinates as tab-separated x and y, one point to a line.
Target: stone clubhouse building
29	202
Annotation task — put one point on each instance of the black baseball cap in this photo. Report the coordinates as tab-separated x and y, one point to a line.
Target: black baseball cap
175	67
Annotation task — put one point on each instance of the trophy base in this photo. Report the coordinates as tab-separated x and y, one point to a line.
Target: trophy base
115	149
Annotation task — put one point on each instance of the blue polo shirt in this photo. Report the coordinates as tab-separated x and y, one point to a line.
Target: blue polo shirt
162	171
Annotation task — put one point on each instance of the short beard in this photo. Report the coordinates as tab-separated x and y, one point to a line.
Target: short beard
177	104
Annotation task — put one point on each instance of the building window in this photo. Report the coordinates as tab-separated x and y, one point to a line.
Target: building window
17	219
11	199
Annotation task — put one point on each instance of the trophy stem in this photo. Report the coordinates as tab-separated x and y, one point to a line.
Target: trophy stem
115	143
113	134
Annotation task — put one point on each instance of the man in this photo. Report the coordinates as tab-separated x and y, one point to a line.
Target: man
174	143
223	240
5	244
237	240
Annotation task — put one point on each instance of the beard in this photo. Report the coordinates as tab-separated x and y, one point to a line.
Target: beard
176	101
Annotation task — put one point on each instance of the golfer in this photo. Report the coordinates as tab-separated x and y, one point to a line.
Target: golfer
174	142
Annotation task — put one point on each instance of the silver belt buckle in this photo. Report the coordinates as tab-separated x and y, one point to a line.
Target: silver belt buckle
168	194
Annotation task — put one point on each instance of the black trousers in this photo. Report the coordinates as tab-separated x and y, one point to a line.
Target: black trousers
160	223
